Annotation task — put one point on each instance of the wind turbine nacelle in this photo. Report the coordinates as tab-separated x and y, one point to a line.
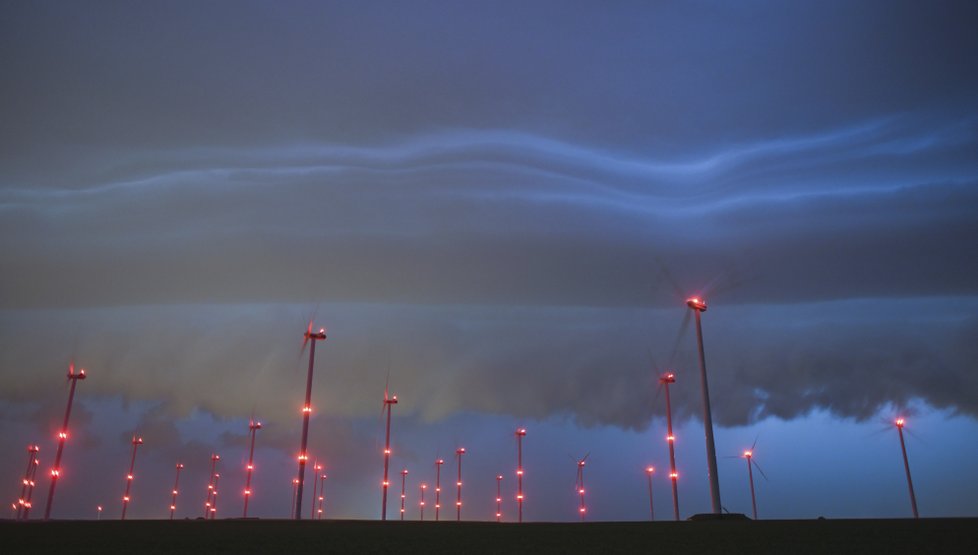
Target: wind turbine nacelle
696	303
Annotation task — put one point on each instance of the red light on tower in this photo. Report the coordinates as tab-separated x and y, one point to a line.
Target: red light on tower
404	474
499	498
421	504
580	484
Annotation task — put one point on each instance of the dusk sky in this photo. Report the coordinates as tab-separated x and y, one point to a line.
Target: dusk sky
502	206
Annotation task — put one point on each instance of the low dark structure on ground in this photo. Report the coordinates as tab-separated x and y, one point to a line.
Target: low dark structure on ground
792	537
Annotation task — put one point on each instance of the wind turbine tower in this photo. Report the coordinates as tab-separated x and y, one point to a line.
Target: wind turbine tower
176	489
667	379
698	306
136	442
520	434
253	427
32	451
458	500
389	402
309	337
438	464
62	436
900	423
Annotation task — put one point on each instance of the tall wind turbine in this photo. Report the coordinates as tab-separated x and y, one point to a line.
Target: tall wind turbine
438	464
649	472
389	402
136	442
213	515
309	337
62	436
579	485
698	306
520	434
253	427
458	500
665	380
32	451
900	423
176	490
404	474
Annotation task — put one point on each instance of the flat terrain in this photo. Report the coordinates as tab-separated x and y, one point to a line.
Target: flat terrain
791	537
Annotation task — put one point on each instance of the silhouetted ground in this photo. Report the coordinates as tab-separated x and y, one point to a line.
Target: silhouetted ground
783	537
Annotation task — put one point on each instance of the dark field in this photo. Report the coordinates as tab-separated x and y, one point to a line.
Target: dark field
791	537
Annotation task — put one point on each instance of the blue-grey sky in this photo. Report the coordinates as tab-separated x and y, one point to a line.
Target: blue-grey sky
503	205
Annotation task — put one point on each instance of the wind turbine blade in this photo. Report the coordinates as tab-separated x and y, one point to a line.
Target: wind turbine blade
664	272
586	456
758	467
679	337
755	443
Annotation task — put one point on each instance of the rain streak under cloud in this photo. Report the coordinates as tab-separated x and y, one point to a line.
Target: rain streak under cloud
495	204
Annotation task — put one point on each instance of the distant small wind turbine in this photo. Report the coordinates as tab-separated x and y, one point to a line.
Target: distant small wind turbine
211	486
404	474
900	423
32	451
499	498
322	494
748	455
423	487
438	464
579	485
136	442
650	471
520	434
458	501
176	486
253	427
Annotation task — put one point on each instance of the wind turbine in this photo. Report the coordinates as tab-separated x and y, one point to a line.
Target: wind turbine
62	436
520	434
698	306
136	442
316	468
32	451
217	478
458	501
389	402
308	337
295	485
749	456
499	498
322	493
900	423
424	486
30	489
404	474
650	471
253	427
438	464
176	485
579	485
665	380
211	491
